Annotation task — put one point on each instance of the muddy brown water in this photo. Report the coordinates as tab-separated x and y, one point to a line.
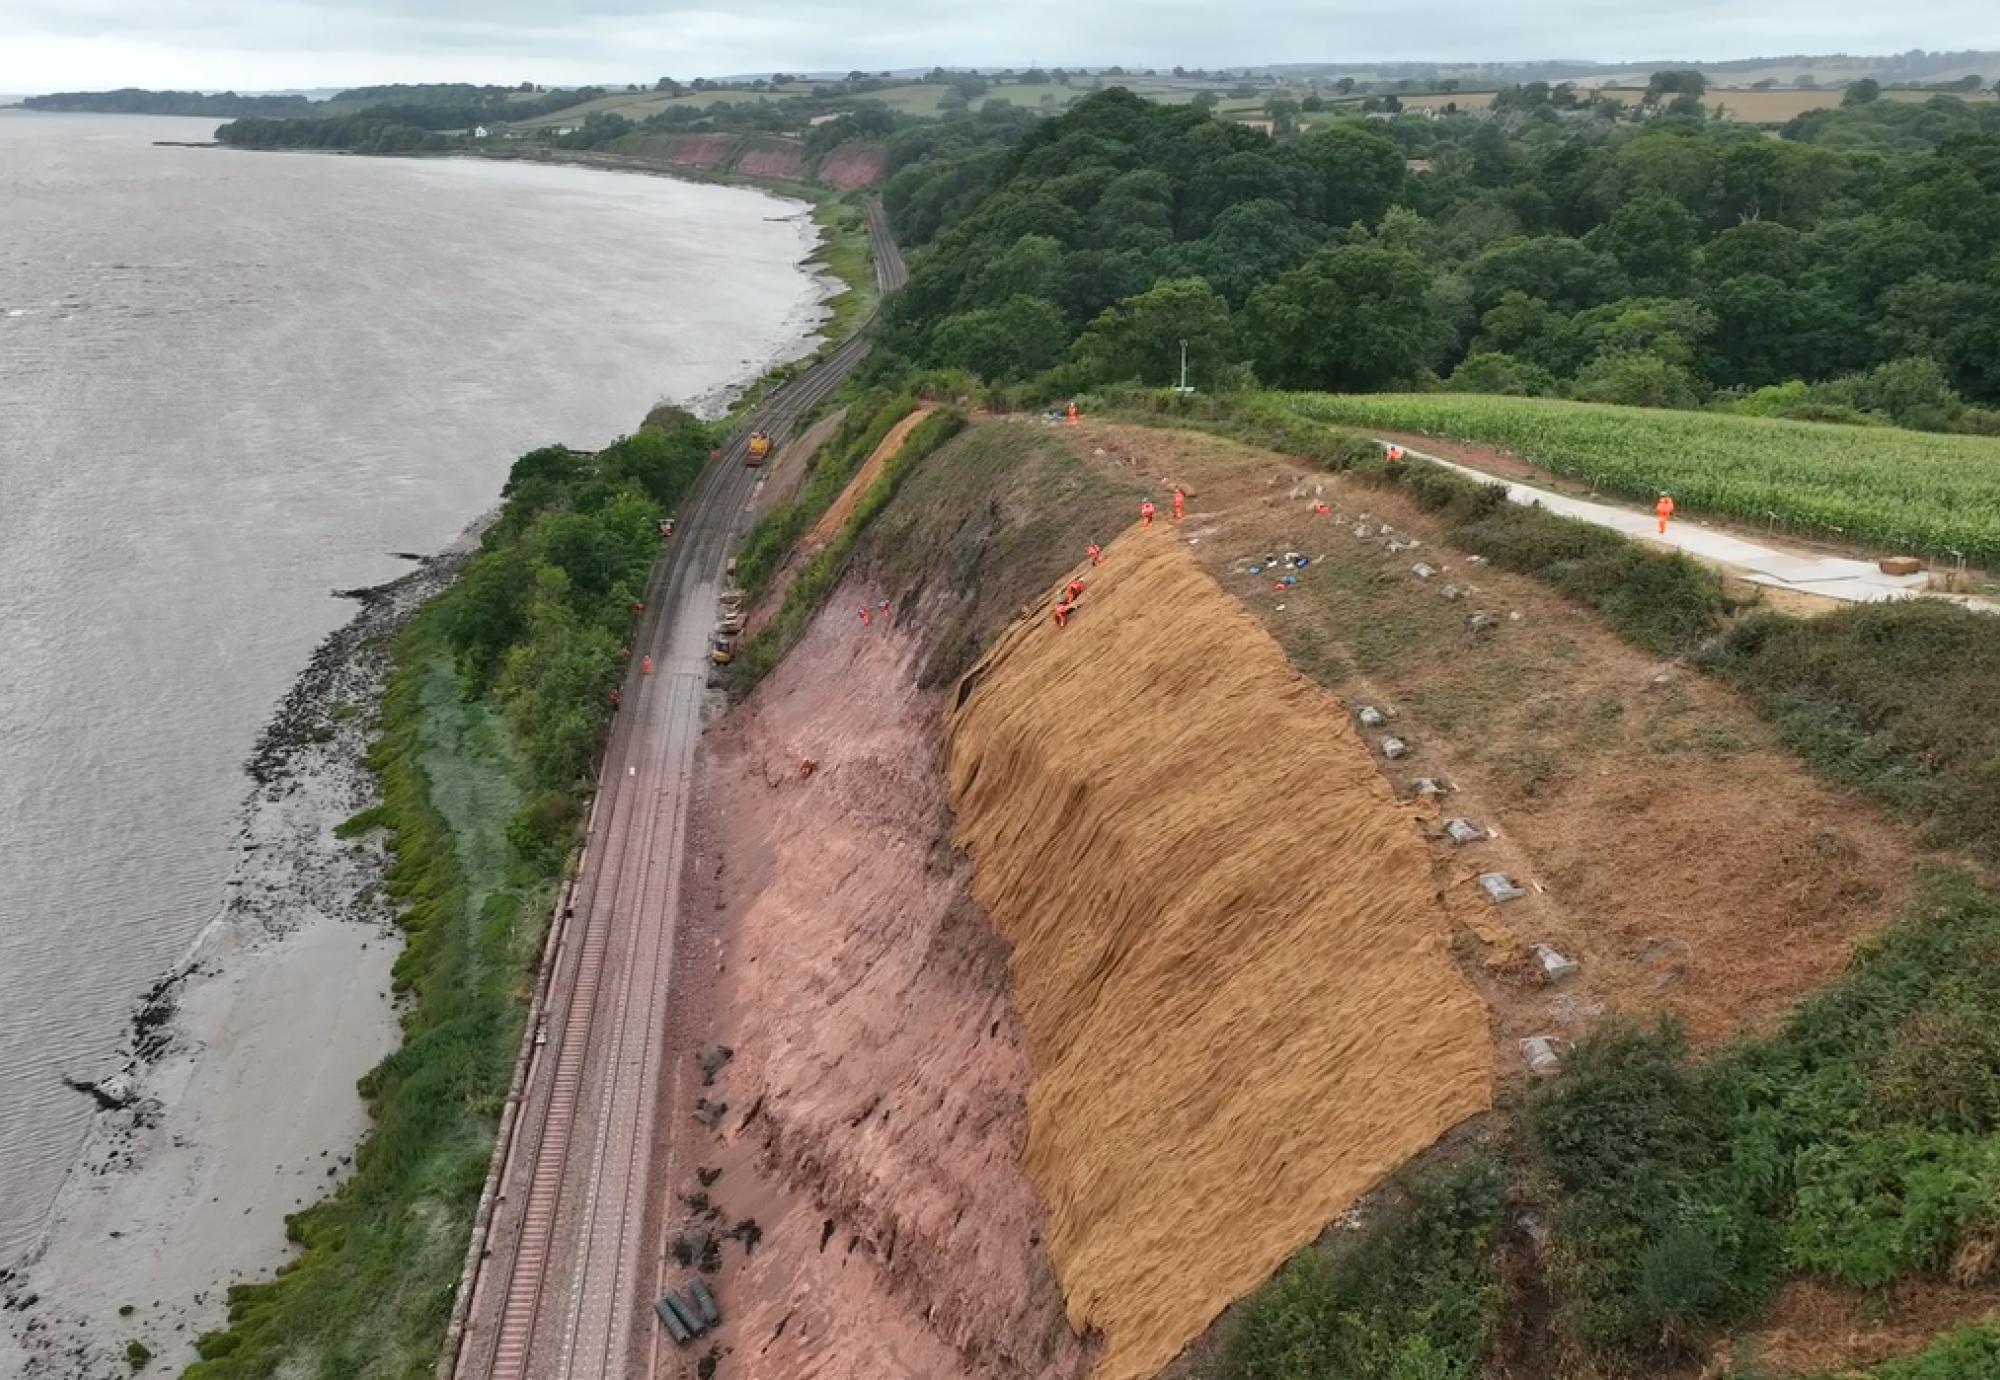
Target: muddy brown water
229	384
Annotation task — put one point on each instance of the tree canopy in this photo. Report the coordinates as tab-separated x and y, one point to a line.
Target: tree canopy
1649	256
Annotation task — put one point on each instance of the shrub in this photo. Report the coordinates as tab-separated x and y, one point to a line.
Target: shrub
1496	372
1415	1297
1901	699
1635	378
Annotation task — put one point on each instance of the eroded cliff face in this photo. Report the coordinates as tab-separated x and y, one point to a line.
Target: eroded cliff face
1227	949
876	1097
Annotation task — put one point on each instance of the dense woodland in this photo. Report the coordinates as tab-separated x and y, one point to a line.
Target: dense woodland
1848	269
131	100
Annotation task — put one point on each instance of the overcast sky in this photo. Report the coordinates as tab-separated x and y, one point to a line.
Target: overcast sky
263	44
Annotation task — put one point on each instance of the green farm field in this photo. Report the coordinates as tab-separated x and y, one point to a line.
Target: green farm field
1902	490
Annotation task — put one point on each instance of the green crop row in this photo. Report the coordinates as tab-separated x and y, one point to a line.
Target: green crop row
1898	490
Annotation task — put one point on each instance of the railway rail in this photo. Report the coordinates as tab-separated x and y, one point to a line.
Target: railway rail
556	1267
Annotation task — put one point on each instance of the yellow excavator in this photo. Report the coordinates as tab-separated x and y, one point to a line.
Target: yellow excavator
759	449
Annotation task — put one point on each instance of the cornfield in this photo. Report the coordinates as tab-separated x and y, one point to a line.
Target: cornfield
1905	491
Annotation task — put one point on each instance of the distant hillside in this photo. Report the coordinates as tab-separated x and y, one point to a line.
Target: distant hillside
1826	69
131	100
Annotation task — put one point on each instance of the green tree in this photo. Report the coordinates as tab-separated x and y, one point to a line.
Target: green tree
1494	372
1140	338
1348	319
1022	337
1864	92
1637	379
1768	331
1653	238
1676	82
1567	274
1250	244
1757	246
1027	268
1360	172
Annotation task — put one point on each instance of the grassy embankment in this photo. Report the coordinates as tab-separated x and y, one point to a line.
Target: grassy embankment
1860	1144
492	717
778	532
1905	490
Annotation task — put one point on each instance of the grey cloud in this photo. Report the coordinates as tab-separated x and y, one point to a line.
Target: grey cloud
638	39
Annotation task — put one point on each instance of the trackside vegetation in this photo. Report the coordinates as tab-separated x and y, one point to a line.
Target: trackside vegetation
805	594
869	419
1903	490
496	706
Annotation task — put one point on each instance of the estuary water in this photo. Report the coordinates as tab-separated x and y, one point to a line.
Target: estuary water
231	383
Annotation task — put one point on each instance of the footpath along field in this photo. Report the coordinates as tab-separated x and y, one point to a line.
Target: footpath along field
1904	490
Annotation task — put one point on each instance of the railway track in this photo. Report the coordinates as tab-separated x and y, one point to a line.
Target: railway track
555	1270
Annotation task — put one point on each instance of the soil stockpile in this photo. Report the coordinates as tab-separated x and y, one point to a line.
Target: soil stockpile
1228	954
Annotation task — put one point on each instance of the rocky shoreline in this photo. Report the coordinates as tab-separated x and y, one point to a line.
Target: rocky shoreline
167	1203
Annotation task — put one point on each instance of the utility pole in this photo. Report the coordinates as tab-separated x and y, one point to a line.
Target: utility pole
1184	390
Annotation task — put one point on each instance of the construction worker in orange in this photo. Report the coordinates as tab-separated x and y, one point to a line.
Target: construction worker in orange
1180	503
1095	552
863	611
1062	613
883	609
1663	510
614	697
1146	512
646	665
1072	413
1074	594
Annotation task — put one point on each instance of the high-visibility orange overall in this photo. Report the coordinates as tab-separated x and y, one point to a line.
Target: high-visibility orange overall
1095	552
1664	509
1062	614
646	665
1072	414
1180	505
1146	512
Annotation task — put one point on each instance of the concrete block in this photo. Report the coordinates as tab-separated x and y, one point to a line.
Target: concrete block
1500	886
1395	749
1543	1057
1463	831
1554	966
1370	717
1900	565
